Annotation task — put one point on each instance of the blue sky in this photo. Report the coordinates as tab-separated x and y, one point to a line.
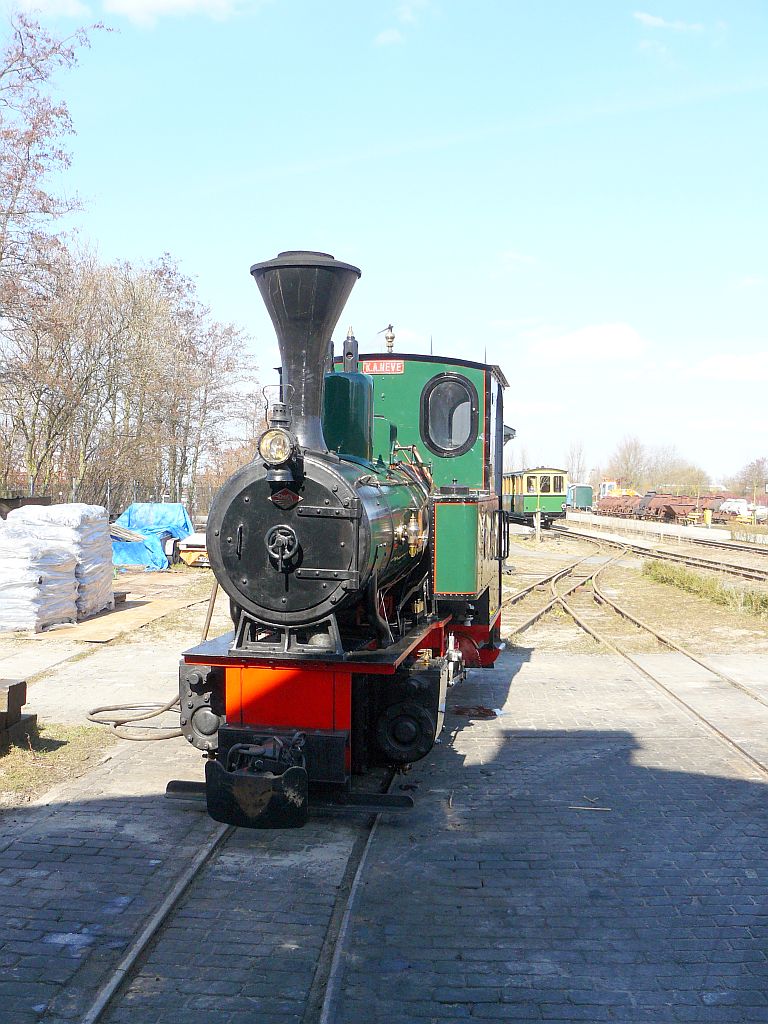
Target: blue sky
577	189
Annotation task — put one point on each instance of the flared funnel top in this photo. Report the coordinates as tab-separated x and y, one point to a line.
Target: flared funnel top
304	293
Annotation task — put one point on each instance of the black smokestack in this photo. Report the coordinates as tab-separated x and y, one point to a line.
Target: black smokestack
304	293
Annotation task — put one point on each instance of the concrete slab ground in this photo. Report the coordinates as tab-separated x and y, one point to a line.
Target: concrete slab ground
24	659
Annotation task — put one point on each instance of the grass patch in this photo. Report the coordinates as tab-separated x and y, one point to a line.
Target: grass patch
48	755
741	599
192	617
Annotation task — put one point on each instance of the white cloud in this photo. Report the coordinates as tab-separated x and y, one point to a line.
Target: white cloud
751	281
654	21
389	37
511	257
146	12
534	409
654	47
408	12
55	8
596	342
747	367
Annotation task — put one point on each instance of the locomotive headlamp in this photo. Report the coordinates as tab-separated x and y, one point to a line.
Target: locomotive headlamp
275	446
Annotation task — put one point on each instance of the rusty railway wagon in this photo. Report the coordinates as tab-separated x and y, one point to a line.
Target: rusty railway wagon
665	508
361	550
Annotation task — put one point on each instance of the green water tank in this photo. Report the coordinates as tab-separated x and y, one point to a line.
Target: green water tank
348	408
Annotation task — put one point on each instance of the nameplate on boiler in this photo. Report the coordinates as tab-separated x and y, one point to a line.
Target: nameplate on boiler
383	366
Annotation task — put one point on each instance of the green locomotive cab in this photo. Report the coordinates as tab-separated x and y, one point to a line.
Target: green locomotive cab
540	490
444	416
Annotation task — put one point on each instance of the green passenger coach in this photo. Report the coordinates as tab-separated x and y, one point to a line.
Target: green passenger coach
527	492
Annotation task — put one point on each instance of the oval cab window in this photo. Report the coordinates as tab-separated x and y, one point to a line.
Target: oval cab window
449	414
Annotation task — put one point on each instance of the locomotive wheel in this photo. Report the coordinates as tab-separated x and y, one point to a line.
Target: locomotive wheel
405	732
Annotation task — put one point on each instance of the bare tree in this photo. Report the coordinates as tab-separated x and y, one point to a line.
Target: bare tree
122	386
212	364
667	471
11	479
751	480
113	379
33	129
575	462
628	464
234	446
662	469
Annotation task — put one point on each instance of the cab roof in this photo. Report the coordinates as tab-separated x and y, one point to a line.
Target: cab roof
419	357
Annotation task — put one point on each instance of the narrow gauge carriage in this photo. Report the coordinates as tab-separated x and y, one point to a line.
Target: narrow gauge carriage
361	550
538	490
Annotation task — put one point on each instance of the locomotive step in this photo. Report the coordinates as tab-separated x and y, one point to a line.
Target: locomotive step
181	789
194	792
371	801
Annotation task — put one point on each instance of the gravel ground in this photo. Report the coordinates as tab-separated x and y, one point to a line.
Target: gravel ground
690	620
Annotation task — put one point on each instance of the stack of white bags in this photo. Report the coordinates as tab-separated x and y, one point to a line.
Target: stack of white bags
38	586
55	565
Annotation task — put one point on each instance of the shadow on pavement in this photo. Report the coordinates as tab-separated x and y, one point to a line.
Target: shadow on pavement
561	874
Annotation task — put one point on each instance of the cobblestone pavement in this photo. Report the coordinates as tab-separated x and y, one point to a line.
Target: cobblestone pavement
590	855
80	875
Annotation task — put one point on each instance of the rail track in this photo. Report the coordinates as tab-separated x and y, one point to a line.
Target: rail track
728	545
587	623
322	995
729	568
577	569
720	545
122	974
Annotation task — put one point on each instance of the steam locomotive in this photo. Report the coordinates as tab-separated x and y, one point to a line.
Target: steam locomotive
361	550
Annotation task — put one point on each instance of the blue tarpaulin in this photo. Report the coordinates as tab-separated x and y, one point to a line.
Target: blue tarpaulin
156	518
148	552
156	523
